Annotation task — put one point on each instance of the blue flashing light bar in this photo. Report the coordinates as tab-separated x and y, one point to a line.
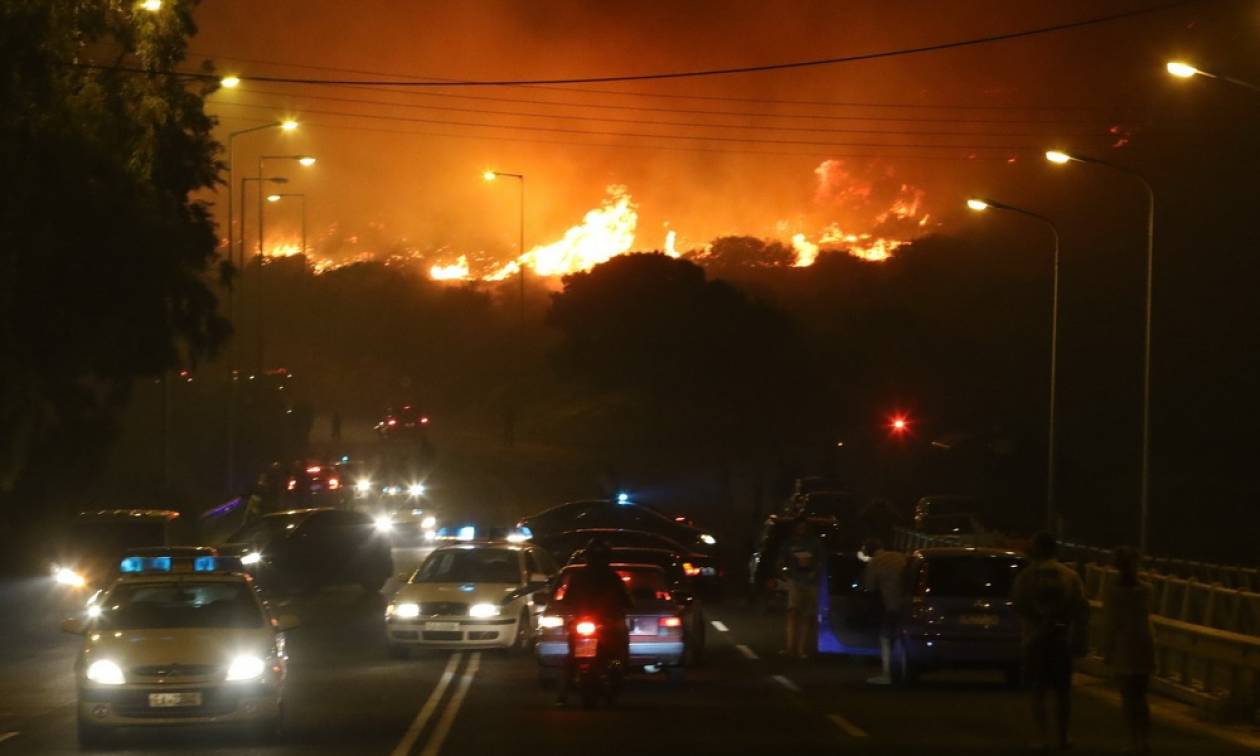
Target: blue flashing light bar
135	564
204	564
623	498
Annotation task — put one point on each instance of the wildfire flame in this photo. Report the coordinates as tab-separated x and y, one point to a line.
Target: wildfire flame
806	251
670	238
456	271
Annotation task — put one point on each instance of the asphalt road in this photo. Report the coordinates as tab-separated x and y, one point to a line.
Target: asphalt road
345	695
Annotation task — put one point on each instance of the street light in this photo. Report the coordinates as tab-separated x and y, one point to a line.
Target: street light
152	6
1058	156
288	124
980	205
305	161
491	175
1184	70
230	82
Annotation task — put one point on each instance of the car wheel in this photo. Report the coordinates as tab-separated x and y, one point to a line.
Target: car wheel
904	670
520	642
90	735
398	651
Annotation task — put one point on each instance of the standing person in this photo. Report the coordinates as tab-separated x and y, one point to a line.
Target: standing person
1050	601
1129	643
885	575
802	554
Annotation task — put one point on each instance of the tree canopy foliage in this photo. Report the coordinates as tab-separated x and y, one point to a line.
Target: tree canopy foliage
104	254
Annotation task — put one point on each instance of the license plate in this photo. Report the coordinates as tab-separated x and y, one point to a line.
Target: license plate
167	700
585	648
442	627
979	620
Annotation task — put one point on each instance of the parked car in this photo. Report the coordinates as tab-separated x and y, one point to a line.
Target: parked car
306	549
620	514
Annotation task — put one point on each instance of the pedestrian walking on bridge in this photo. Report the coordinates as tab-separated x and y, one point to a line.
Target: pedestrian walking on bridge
1128	644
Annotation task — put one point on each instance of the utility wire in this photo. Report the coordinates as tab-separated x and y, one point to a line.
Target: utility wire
767	67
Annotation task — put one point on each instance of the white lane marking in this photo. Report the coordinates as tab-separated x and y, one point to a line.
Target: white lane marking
785	682
844	724
409	738
720	627
747	652
7	735
452	709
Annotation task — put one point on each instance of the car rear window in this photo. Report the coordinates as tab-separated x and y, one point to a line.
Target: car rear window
979	576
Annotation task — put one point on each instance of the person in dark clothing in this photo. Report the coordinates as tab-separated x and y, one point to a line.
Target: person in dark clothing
1129	643
596	590
1050	600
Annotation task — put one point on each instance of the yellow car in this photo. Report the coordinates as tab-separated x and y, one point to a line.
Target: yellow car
179	640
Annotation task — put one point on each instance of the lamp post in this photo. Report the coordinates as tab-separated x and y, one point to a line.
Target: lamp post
981	205
237	258
1061	158
306	161
1184	70
509	429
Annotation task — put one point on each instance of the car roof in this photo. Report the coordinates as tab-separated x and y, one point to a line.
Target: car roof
130	514
177	577
956	551
479	544
623	565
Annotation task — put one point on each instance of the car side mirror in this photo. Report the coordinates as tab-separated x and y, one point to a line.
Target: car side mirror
286	622
72	625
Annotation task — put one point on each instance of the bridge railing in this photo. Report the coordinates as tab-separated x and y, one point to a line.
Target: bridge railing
1229	575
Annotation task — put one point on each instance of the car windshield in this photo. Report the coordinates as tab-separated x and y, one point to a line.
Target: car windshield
470	566
181	604
970	576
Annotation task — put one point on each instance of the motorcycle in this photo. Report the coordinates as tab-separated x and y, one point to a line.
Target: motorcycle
595	664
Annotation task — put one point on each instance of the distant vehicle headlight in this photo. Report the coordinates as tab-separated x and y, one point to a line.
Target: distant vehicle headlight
429	522
409	610
415	489
363	485
105	672
252	557
482	611
245	667
550	621
383	524
67	576
706	538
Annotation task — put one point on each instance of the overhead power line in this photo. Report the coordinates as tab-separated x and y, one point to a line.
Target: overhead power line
763	68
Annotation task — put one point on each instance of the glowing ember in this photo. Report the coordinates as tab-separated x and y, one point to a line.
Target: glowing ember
806	251
287	249
670	238
456	271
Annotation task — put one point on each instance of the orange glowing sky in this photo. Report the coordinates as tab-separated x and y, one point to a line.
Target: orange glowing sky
399	172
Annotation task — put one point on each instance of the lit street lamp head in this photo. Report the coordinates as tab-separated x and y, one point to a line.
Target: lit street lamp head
306	161
489	175
977	204
1181	70
273	198
288	124
1058	156
230	82
152	6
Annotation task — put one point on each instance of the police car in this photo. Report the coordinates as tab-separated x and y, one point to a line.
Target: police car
179	640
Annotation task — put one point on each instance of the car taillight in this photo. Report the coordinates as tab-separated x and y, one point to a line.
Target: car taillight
690	570
559	594
292	483
333	484
671	622
664	596
585	627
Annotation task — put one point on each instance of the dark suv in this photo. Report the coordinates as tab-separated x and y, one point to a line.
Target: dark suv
306	549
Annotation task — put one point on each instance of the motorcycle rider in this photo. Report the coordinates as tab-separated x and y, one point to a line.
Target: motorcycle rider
597	591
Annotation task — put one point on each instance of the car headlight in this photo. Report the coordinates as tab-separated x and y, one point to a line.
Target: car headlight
429	522
252	557
706	538
363	485
383	524
105	672
415	489
409	610
550	621
245	667
67	576
483	610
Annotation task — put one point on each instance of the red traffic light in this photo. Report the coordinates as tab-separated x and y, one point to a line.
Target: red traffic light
899	424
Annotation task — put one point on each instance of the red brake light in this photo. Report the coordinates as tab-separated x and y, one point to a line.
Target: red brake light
391	422
671	622
292	483
313	469
664	596
333	484
424	421
559	594
585	627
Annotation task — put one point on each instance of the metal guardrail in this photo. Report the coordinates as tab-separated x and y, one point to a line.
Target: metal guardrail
1229	575
1214	669
1186	600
